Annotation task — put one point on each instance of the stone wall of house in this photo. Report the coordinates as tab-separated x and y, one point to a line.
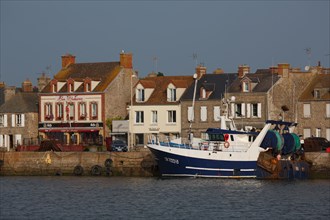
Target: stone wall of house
198	126
318	118
285	93
29	131
251	98
118	95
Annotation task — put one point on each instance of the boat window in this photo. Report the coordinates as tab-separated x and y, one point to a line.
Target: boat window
231	137
216	137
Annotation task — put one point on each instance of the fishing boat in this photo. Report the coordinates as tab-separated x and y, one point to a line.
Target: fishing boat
226	153
229	153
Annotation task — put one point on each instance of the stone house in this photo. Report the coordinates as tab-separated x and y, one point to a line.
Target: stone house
208	105
250	108
314	108
278	94
75	105
19	117
156	110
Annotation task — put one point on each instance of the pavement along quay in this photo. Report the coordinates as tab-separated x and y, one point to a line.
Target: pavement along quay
139	164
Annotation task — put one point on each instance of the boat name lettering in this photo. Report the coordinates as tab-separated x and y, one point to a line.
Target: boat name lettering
171	160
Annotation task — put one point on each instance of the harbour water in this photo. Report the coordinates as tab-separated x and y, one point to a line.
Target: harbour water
64	197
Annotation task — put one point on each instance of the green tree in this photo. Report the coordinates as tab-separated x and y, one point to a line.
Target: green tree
108	121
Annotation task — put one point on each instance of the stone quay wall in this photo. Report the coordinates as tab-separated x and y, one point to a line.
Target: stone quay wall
138	164
320	164
63	163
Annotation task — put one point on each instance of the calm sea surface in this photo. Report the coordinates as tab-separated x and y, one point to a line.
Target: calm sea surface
61	197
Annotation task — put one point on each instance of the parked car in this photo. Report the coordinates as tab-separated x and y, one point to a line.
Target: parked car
314	144
119	146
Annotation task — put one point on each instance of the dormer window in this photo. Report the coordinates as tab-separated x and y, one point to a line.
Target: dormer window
317	94
53	86
70	87
203	93
171	94
246	87
87	85
140	97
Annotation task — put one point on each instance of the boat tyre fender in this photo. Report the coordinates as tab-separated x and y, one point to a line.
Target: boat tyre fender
227	144
78	170
96	170
108	163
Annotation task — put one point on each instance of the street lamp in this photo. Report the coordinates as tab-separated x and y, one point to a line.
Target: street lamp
131	140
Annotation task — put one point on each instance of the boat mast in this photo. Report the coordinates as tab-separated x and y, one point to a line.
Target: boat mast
193	110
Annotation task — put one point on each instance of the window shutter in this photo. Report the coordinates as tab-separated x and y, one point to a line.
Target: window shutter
327	134
190	113
22	120
232	110
328	110
216	113
5	122
1	140
307	132
203	113
307	110
248	110
259	110
18	139
168	94
13	121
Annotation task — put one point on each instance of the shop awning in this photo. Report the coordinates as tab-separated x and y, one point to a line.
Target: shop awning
91	129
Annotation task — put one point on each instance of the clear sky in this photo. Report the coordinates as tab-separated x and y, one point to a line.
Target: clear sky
179	34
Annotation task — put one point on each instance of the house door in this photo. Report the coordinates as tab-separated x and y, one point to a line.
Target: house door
11	141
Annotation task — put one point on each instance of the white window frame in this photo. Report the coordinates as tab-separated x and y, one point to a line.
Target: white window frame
306	110
190	114
246	87
18	120
317	132
327	133
327	110
171	94
216	113
203	96
203	113
171	117
307	133
139	117
154	117
140	95
3	120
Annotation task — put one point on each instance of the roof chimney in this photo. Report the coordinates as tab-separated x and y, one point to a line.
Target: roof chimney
242	70
283	69
68	59
200	71
27	86
126	60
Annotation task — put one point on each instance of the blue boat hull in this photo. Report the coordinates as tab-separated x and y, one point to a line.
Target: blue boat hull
176	165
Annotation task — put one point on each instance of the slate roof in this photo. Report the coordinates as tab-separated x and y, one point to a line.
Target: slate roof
211	82
21	103
160	84
321	82
103	71
264	79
